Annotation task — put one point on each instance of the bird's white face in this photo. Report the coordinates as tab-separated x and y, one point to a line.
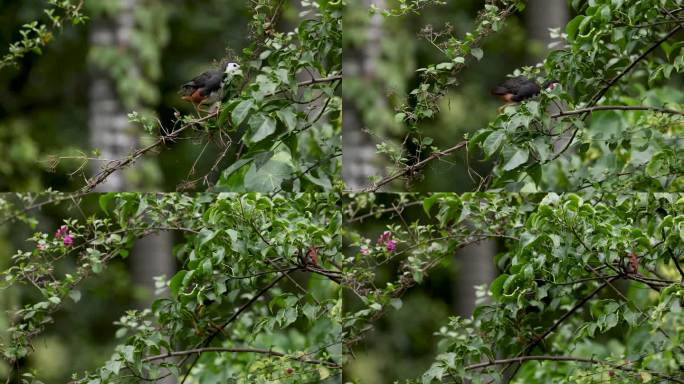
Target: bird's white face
232	67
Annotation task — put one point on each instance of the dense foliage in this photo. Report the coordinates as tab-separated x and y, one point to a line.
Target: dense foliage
590	285
614	124
278	127
256	297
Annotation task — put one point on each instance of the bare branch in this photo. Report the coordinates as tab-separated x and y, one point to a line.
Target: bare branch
520	359
413	168
618	108
239	350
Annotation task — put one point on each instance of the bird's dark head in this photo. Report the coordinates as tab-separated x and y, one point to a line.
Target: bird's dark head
550	85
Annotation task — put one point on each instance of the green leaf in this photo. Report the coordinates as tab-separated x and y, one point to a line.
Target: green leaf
434	373
290	316
477	53
323	181
269	176
442	66
496	288
631	317
206	235
75	295
114	366
309	311
606	13
235	166
288	117
519	157
493	142
241	111
573	26
128	352
176	282
428	203
535	172
104	201
262	126
207	267
223	116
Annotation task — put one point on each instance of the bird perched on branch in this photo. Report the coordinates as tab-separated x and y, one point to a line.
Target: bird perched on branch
309	258
517	89
207	88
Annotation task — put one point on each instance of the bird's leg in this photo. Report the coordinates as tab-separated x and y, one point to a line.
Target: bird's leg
198	109
216	109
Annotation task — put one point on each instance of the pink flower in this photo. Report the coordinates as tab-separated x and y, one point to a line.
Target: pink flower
391	245
364	250
385	237
61	232
68	240
41	246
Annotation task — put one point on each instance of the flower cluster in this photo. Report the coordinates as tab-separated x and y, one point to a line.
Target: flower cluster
386	239
383	240
63	233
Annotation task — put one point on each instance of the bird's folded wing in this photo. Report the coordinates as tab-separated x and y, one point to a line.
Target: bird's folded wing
500	90
192	85
527	90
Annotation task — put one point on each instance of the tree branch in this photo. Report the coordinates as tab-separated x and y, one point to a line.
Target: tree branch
522	359
556	324
676	263
618	108
412	168
614	80
220	329
116	165
239	350
631	66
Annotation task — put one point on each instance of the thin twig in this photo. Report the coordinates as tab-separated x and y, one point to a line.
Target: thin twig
556	324
521	359
613	81
617	107
412	168
238	350
220	329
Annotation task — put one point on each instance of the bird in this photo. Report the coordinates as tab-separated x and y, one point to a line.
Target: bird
517	89
310	258
208	87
